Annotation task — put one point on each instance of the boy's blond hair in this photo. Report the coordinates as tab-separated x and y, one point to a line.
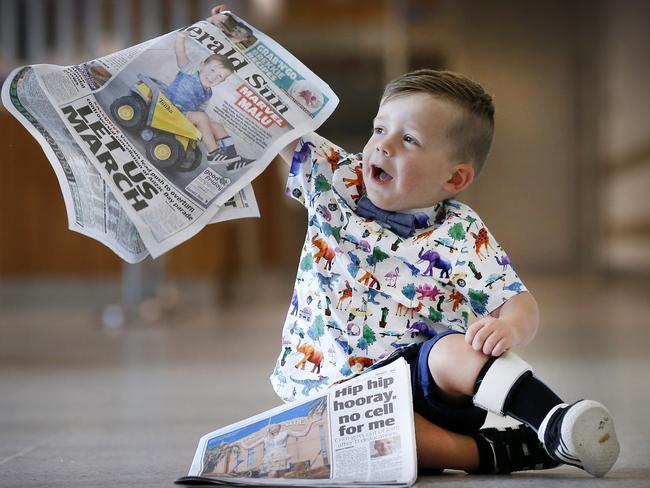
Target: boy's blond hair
472	132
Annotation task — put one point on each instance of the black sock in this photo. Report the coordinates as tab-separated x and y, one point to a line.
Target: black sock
530	400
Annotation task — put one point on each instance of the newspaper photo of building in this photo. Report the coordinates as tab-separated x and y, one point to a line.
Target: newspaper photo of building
293	444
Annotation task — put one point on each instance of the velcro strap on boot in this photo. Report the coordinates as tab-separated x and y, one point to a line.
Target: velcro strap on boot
498	381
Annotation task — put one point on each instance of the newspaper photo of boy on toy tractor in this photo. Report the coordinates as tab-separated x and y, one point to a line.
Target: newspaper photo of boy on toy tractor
171	119
170	138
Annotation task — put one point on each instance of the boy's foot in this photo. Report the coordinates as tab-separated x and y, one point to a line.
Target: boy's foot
512	449
243	162
582	435
223	157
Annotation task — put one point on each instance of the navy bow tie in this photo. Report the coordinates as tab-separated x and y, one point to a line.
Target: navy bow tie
402	224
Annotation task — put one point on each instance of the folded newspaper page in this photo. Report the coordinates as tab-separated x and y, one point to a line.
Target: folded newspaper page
152	143
358	433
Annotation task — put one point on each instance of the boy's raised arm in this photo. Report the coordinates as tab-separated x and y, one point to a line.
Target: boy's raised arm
179	48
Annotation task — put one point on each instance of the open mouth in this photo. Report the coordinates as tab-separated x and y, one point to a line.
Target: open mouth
380	175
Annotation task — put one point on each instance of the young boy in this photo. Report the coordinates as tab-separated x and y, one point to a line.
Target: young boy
190	91
392	265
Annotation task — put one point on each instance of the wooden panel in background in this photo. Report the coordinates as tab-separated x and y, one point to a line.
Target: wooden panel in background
34	239
33	223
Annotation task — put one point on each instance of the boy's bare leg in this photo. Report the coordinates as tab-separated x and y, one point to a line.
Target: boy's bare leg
438	448
455	383
203	123
581	434
218	130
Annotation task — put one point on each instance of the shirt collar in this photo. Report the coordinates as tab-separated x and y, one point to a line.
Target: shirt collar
429	216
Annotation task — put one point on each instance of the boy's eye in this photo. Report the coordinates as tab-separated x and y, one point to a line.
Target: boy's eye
410	140
378	130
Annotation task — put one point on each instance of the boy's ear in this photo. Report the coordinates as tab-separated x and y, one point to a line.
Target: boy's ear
461	177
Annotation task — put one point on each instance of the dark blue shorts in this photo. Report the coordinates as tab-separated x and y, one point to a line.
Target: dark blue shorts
464	418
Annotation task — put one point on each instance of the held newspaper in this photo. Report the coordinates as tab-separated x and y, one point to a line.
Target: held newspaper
152	143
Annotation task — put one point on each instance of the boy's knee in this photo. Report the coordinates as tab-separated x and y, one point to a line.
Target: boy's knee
216	126
198	117
454	365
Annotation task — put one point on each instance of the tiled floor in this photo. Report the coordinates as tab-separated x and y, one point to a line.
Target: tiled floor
85	406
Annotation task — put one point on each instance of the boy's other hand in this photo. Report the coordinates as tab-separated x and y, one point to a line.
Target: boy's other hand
216	14
492	336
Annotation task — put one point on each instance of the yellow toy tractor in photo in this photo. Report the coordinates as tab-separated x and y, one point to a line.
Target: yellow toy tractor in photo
170	139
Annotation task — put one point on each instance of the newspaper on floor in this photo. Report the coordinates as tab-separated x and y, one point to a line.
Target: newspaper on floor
358	433
152	143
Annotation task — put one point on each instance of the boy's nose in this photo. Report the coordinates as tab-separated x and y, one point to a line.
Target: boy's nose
386	145
383	148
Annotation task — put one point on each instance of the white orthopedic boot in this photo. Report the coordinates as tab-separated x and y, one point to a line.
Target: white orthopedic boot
498	382
581	434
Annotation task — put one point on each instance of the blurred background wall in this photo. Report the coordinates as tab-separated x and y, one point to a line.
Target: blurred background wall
566	187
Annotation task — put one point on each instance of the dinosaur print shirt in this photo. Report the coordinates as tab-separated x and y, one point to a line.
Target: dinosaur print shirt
362	291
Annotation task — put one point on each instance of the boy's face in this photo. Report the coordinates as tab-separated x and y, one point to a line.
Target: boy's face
239	33
385	446
407	160
212	73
